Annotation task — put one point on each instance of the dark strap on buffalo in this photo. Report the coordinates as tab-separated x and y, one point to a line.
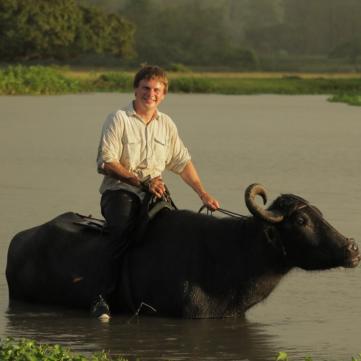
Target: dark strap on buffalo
151	206
154	204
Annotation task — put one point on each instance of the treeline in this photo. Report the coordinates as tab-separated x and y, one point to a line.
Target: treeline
60	29
235	34
329	27
243	33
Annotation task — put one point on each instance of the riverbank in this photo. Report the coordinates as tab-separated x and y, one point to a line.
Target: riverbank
29	350
40	80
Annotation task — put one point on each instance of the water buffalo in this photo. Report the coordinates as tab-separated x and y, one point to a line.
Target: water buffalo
187	265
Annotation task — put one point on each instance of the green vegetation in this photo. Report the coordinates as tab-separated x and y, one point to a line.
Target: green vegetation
38	80
351	99
35	80
232	35
191	32
60	29
112	81
243	34
27	350
282	85
282	356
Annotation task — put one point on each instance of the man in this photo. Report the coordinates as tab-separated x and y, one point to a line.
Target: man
137	144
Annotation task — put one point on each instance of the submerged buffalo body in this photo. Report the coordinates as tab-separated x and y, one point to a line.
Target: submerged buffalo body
188	265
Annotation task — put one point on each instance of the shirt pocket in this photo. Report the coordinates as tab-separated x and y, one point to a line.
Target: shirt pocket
160	151
131	152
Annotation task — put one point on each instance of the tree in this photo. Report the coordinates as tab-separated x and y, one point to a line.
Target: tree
60	29
321	25
188	32
99	32
37	29
350	50
262	24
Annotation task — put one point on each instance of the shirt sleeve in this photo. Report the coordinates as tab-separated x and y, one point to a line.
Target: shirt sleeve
178	155
110	144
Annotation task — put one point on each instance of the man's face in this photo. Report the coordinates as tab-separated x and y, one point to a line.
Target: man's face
149	94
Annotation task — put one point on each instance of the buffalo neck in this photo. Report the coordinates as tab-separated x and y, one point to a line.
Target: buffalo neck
242	267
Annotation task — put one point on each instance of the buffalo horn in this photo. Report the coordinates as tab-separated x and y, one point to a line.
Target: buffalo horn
250	197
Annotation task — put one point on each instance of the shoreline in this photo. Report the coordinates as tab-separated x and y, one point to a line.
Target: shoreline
12	349
47	80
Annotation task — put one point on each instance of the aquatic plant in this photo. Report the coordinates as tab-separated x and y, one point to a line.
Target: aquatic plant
351	99
38	80
283	356
29	350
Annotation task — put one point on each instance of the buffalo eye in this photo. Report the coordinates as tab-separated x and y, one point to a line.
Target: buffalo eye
301	220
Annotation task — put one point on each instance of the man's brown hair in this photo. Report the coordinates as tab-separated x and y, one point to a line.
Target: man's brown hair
151	72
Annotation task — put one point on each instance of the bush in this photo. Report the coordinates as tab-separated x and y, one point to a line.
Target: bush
192	85
247	59
19	79
178	68
350	49
114	81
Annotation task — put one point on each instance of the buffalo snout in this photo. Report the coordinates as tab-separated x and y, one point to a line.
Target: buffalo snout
353	256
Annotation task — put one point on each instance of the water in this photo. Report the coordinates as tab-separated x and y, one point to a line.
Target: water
298	144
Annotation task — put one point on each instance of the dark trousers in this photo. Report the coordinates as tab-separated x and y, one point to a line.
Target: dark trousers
120	209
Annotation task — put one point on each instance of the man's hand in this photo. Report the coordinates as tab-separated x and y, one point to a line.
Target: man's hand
209	201
191	177
157	186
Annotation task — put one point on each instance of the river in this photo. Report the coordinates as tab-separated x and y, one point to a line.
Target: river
291	144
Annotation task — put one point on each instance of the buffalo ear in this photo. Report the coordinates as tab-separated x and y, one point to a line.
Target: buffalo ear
274	238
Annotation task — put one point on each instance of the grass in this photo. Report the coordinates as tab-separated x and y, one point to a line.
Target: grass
39	80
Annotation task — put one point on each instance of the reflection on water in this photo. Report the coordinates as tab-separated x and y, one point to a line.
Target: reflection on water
149	338
302	145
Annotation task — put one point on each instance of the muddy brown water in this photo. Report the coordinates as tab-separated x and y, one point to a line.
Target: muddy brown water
291	144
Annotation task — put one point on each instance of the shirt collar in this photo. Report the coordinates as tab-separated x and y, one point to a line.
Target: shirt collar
131	112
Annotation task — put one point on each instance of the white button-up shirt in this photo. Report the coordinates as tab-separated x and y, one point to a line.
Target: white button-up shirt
144	149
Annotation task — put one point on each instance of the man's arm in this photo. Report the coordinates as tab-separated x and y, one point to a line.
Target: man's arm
191	177
118	171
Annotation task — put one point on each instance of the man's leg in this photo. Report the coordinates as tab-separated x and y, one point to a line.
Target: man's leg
120	209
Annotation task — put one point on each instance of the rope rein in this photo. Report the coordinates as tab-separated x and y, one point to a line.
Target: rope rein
221	210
